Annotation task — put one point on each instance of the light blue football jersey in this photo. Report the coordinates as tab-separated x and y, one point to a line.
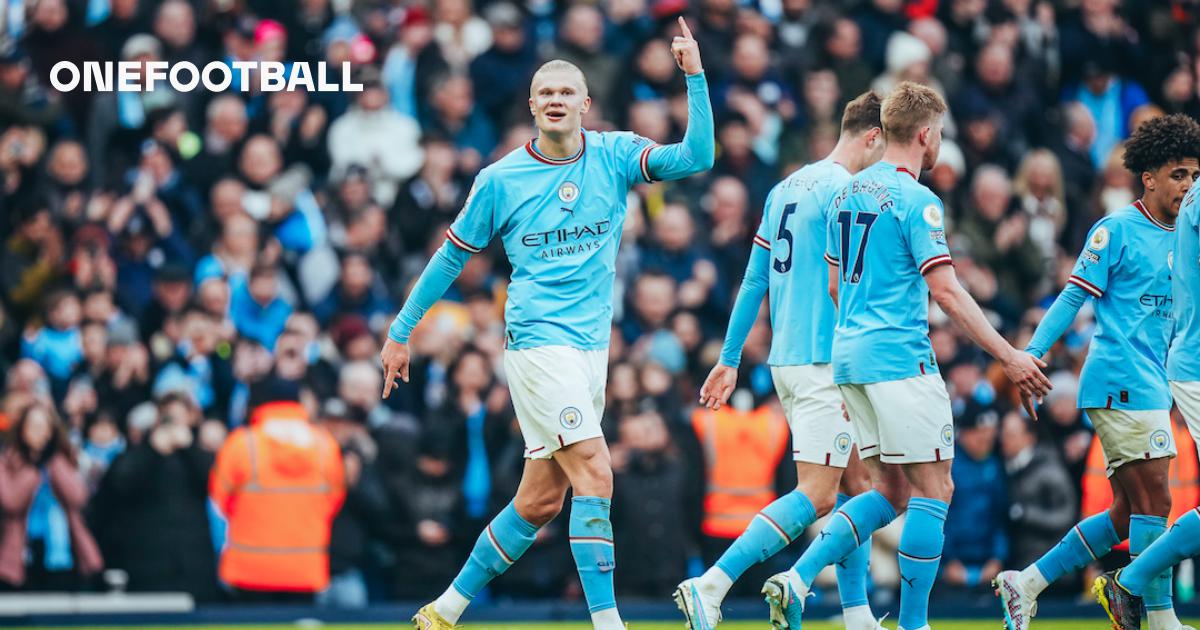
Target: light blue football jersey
793	229
885	231
1126	267
560	222
1183	359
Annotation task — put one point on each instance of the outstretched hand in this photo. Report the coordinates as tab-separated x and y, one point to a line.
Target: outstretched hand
718	386
1024	370
395	358
686	50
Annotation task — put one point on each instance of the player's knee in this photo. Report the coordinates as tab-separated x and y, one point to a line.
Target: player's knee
539	510
854	485
896	495
597	481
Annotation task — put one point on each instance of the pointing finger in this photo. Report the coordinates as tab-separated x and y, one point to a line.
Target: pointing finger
687	32
388	379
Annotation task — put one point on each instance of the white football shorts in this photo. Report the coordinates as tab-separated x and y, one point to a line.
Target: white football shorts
1127	435
907	421
821	434
558	394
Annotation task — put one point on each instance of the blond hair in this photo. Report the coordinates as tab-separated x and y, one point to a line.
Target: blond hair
909	107
557	65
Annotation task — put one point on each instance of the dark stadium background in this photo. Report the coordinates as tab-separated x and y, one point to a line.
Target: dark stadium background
163	250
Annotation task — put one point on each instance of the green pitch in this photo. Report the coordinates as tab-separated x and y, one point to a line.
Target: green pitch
1049	624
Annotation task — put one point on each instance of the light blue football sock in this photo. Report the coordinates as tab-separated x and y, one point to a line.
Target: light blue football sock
774	528
1180	542
920	556
847	530
591	537
852	570
1089	540
1143	531
500	544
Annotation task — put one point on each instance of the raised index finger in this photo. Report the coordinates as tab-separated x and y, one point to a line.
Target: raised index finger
687	32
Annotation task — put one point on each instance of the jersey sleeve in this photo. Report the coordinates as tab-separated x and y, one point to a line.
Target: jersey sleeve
476	223
925	229
633	155
1096	261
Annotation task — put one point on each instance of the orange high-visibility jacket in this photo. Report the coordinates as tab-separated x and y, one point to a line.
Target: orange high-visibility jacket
742	451
279	483
1184	474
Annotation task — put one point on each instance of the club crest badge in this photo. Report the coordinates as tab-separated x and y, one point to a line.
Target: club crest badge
570	418
568	192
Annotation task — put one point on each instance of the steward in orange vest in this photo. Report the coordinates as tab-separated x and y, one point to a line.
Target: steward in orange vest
742	451
279	482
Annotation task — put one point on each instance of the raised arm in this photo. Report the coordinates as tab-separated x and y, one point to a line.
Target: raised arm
695	154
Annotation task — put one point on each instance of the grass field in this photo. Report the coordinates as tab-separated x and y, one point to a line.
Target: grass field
1049	624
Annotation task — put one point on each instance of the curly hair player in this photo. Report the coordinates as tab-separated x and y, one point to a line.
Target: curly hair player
558	204
1122	592
1126	267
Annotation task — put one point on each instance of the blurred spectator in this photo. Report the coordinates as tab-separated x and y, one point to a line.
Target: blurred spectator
1110	99
502	73
657	535
151	512
45	543
997	232
278	542
379	138
976	546
365	523
1043	503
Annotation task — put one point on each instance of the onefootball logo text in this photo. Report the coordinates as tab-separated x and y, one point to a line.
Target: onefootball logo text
216	76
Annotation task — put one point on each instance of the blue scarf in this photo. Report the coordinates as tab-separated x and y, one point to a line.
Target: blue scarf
48	523
477	481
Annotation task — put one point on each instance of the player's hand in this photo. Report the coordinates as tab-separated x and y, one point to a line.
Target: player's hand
718	386
394	357
686	50
1024	370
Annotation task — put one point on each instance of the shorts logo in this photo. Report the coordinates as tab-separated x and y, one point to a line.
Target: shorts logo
933	216
568	192
570	418
842	443
1099	239
948	435
1159	440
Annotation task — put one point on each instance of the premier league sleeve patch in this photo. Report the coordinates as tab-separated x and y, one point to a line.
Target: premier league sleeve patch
1099	239
933	216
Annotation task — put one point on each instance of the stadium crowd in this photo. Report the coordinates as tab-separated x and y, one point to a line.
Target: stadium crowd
167	253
